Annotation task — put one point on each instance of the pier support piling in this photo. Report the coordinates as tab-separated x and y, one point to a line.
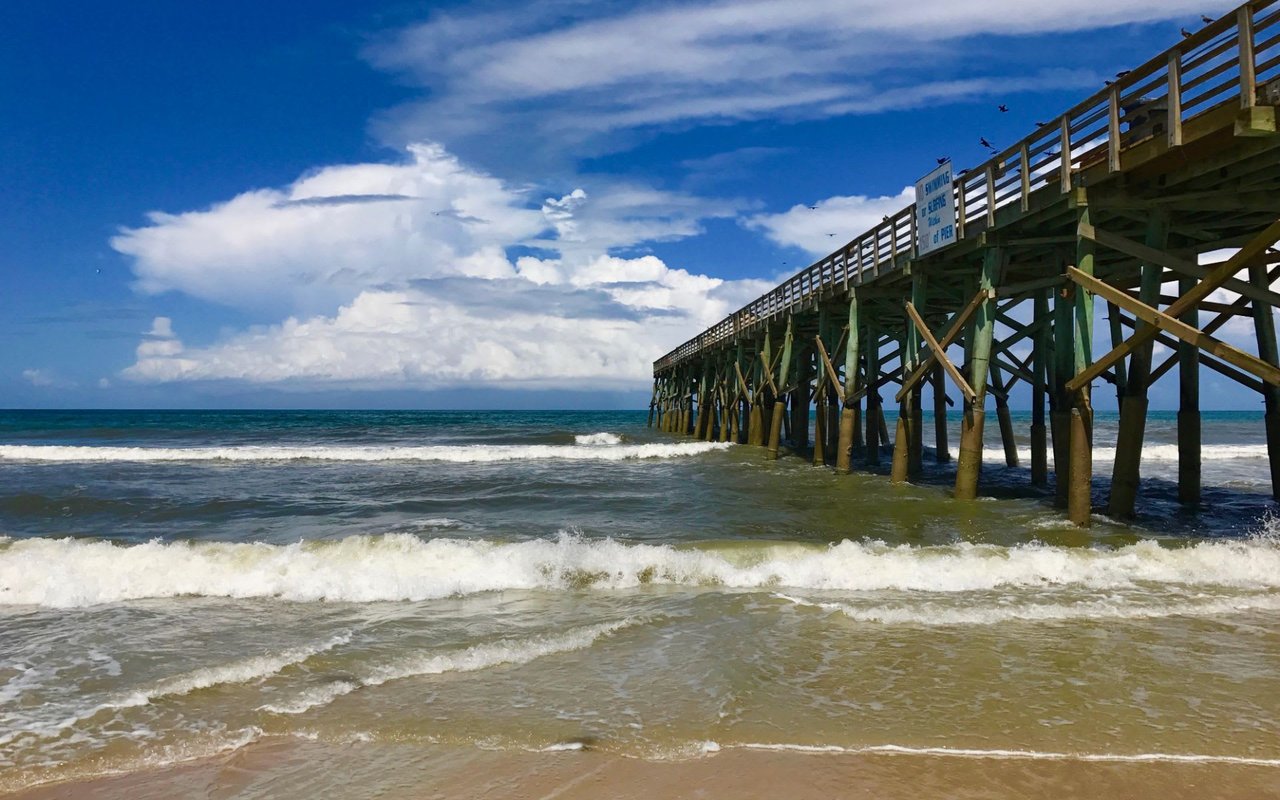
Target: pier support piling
1079	498
1265	330
1040	368
1188	409
850	408
1060	398
779	404
941	447
873	397
1133	403
978	356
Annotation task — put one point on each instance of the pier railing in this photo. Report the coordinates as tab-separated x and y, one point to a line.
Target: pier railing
1235	59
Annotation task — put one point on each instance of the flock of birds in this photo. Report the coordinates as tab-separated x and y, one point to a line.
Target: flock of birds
1004	109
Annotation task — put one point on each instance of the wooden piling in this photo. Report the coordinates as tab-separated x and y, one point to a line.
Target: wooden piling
800	400
906	445
779	405
941	445
850	408
1040	366
1188	408
1060	399
978	352
873	397
820	423
1006	432
1079	498
1133	403
1265	332
834	413
883	426
898	472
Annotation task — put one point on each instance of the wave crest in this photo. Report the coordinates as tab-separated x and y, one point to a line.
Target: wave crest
70	572
458	454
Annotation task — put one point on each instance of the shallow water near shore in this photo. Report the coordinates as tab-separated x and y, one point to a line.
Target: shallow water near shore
177	586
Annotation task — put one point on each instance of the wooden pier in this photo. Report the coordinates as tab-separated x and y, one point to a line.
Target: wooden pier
1115	200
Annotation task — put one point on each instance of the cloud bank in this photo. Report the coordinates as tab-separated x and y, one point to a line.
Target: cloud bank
431	274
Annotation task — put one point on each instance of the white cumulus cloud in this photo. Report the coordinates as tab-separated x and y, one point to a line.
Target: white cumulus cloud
828	224
404	275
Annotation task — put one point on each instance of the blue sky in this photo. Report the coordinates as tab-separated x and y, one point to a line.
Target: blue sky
404	204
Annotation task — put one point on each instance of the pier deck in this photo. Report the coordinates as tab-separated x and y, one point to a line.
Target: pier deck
1121	198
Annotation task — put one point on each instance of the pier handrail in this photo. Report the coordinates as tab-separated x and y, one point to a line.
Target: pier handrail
1225	61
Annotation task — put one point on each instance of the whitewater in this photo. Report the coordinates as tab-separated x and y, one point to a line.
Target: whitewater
65	573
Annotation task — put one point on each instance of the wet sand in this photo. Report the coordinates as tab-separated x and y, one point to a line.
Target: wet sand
289	768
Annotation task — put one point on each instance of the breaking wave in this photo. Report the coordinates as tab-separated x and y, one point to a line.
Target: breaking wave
587	448
1153	453
71	572
597	439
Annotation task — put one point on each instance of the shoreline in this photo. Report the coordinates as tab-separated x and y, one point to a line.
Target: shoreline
285	767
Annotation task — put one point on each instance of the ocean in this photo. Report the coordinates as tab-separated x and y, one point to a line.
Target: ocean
178	585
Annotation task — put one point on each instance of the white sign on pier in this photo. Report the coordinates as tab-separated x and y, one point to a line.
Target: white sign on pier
935	211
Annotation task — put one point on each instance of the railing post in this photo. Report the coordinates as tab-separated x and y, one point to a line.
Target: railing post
1024	166
1113	129
1064	170
1248	69
991	196
1175	99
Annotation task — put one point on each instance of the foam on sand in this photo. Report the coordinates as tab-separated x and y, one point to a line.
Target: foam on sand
1021	755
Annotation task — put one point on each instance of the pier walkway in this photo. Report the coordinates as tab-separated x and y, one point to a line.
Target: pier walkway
1115	200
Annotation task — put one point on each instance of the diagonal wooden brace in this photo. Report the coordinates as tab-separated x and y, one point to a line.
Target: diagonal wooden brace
1191	269
1238	306
831	370
951	333
1226	370
1215	278
1159	320
743	383
939	351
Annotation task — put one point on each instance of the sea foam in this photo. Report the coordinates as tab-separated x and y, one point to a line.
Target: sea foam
589	449
72	572
506	652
